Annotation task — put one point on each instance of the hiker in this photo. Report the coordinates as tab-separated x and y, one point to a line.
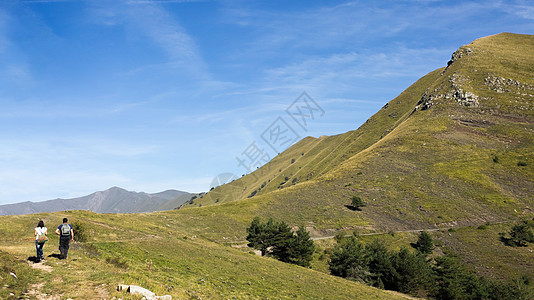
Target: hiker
66	235
40	233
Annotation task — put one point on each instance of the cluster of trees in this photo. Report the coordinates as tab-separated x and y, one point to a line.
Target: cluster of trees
415	273
520	235
277	240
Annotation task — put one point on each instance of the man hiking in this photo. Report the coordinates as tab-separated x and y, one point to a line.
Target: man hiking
66	235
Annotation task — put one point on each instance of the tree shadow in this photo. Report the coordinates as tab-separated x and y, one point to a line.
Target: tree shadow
354	208
513	243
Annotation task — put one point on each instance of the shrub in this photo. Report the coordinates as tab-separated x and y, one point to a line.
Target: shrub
340	236
521	235
253	194
80	231
117	262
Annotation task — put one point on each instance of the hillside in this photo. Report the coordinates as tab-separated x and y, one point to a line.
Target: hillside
113	200
155	252
455	148
453	151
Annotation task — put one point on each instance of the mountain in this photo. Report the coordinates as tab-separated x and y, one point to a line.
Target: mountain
455	148
113	200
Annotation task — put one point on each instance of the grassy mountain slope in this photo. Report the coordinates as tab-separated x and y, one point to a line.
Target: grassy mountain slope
153	251
455	148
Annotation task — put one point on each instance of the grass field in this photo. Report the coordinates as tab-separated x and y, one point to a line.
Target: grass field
156	252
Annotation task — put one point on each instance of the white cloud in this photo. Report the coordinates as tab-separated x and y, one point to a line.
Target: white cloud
342	72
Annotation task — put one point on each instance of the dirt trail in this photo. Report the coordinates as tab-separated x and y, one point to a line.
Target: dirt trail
402	231
34	292
41	266
379	233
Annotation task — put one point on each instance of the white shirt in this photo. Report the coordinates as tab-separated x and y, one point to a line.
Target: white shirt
40	231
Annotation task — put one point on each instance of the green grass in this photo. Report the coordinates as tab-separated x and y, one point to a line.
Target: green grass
15	276
487	255
157	252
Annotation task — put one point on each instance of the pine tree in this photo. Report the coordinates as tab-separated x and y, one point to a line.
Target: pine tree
383	274
424	243
357	202
414	272
261	236
302	248
282	242
348	260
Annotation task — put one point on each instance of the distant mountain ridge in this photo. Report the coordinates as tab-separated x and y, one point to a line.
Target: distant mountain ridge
113	200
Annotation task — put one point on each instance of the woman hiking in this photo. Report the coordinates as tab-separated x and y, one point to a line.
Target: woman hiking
40	233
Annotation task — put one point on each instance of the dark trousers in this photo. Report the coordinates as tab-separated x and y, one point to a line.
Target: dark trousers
64	246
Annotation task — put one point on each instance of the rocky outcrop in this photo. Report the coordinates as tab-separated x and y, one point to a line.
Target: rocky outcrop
461	52
454	92
504	85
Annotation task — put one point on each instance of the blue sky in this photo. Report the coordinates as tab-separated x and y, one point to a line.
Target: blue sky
154	95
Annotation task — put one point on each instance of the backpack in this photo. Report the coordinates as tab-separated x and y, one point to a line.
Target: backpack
65	230
41	237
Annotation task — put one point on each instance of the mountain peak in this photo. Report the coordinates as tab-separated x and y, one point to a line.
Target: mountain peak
112	200
455	145
116	188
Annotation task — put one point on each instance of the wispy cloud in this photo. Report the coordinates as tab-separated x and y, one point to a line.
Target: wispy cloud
15	71
523	9
343	72
155	23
